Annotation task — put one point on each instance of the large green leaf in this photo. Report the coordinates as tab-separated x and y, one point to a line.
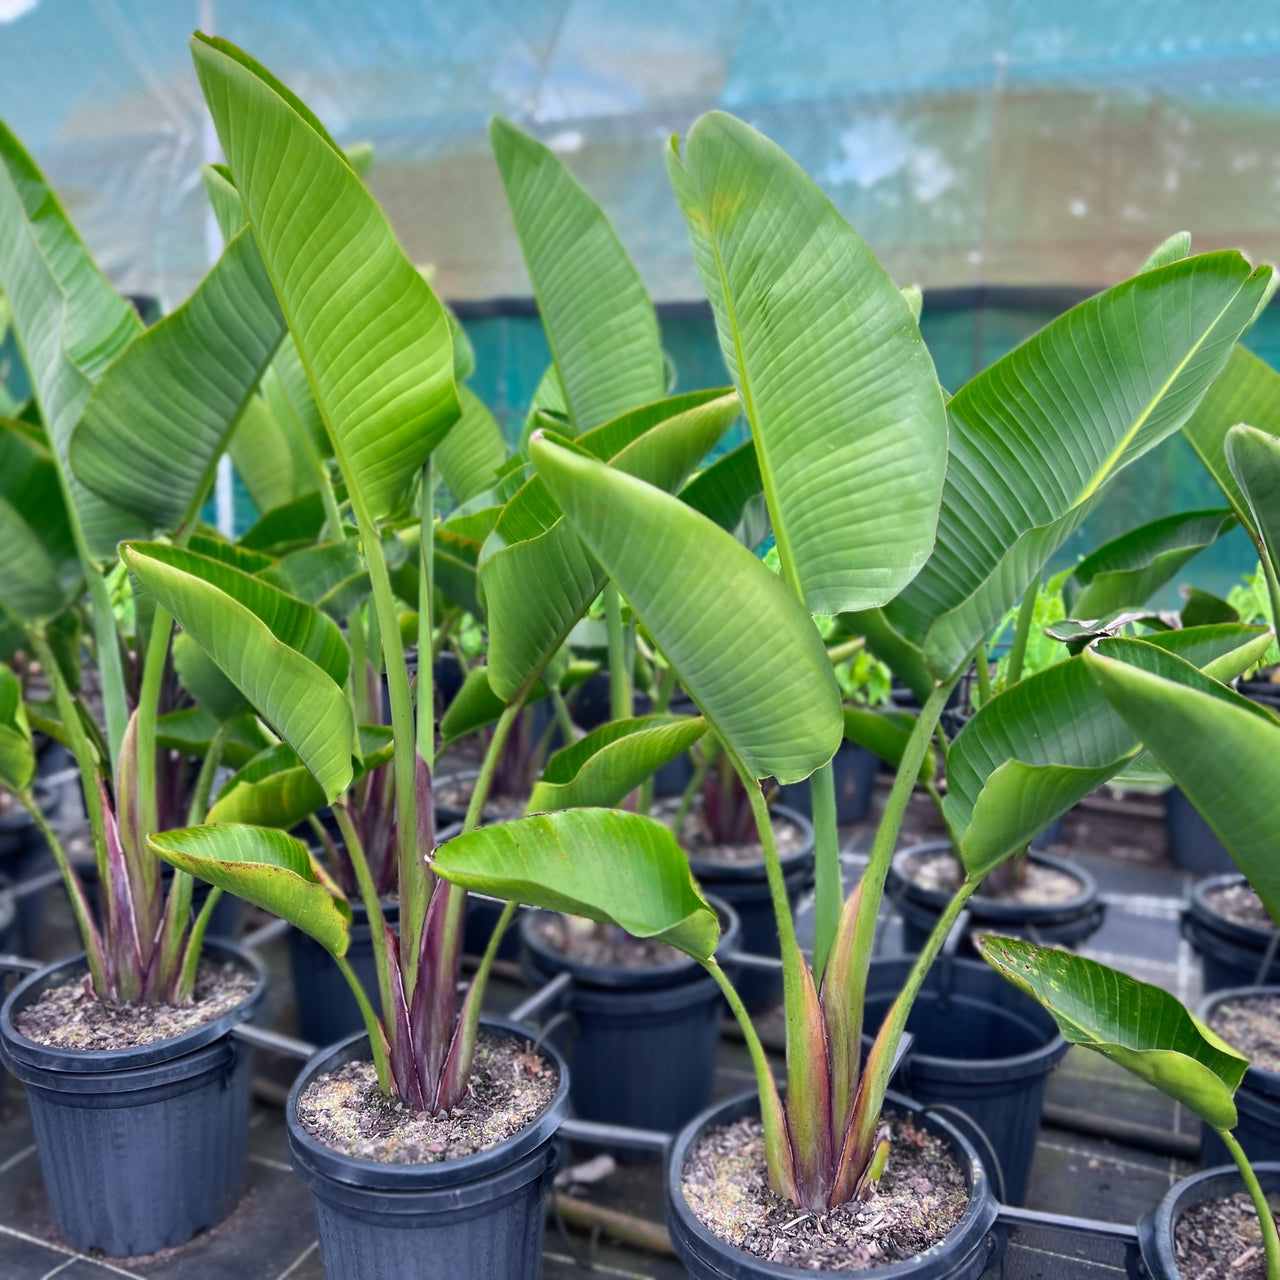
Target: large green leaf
844	405
1254	459
599	321
69	322
473	450
1248	390
1126	571
1220	748
536	576
476	705
1036	437
610	762
745	648
372	336
39	570
724	491
275	789
285	656
190	731
1141	1027
289	527
17	754
266	867
204	680
1044	743
603	864
159	418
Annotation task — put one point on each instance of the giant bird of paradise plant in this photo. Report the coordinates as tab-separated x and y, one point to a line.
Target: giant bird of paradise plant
920	520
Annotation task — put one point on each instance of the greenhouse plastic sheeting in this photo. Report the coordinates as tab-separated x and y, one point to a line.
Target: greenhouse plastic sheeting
970	141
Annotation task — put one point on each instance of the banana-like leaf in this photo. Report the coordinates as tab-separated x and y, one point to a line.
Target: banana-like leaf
1219	747
536	577
69	322
1128	570
886	734
1248	390
1254	459
472	452
601	769
476	705
1175	248
745	648
603	864
266	867
724	491
270	457
40	572
601	325
1202	608
275	789
1036	437
372	336
844	404
332	576
286	657
214	546
905	659
159	419
204	680
1043	744
17	754
286	528
190	732
1141	1027
458	543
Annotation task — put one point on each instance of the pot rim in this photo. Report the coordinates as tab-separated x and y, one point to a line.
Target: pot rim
621	977
985	909
1260	1078
966	1236
1156	1228
46	1057
317	1159
1199	909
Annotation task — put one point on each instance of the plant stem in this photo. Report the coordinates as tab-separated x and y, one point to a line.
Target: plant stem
377	1041
426	739
359	684
983	667
1266	1223
1021	632
484	779
414	881
619	680
828	890
204	782
882	850
776	1141
80	748
84	921
372	907
441	636
875	1081
107	642
567	729
195	943
157	656
842	652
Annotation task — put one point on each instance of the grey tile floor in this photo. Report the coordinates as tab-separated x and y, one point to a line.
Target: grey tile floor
271	1234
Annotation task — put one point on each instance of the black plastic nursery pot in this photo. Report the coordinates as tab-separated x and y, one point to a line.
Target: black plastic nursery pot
745	887
475	1218
326	1008
1156	1230
1064	924
1231	954
962	1255
641	1042
854	769
1193	846
1257	1098
980	1046
139	1148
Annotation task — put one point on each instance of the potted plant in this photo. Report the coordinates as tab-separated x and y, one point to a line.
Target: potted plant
381	372
805	315
119	1061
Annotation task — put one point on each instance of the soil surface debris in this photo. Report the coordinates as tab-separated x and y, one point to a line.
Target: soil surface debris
1219	1239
